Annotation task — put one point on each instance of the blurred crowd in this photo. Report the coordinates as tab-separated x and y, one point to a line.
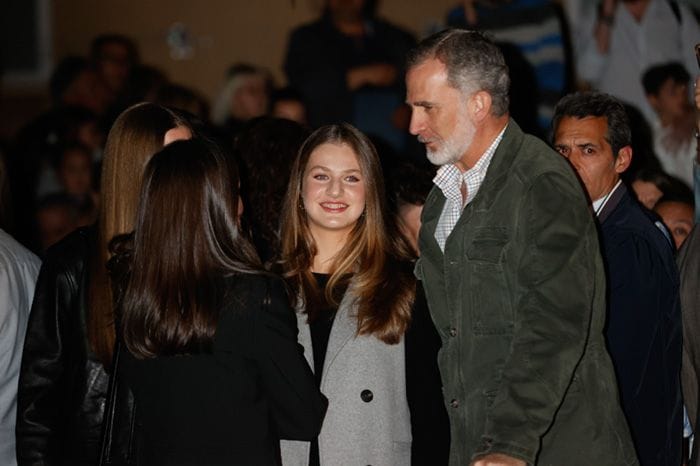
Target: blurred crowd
75	173
349	66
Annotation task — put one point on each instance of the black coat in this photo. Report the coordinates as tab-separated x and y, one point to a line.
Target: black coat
319	58
643	331
228	406
62	385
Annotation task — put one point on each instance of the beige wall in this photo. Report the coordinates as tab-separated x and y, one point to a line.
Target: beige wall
223	31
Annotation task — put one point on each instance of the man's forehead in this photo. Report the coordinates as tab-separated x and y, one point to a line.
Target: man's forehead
590	126
426	81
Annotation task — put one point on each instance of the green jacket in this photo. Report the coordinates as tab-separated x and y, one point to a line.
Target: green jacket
519	301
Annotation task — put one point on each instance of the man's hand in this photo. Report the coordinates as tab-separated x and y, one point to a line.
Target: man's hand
603	27
498	459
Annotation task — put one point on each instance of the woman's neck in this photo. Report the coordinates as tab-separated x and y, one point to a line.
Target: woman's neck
328	245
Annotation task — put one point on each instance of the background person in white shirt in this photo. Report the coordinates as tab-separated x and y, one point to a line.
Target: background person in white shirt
615	43
18	271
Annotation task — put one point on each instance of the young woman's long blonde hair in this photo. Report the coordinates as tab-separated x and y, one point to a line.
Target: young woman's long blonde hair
382	281
135	136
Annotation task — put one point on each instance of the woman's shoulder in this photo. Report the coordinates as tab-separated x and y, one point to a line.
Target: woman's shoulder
252	292
68	259
252	301
254	285
73	250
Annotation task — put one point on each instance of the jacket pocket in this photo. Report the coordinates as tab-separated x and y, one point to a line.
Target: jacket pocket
488	287
488	245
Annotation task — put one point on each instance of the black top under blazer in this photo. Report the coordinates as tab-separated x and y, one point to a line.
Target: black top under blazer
231	405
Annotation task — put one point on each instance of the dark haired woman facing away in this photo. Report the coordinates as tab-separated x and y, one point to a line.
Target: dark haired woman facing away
210	351
67	352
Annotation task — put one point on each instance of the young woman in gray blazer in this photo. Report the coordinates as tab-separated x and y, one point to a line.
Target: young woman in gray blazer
362	318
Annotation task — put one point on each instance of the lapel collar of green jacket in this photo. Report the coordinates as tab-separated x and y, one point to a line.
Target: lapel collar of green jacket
498	170
432	209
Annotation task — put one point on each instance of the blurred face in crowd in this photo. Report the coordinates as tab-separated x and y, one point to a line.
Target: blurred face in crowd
87	91
90	135
333	190
114	65
678	218
672	100
647	193
250	99
440	116
409	222
583	141
75	172
290	110
346	10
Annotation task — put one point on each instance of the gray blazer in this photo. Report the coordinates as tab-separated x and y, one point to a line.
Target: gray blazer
367	421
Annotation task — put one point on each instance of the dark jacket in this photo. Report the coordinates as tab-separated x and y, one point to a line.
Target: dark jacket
228	406
518	298
319	57
62	385
643	331
689	265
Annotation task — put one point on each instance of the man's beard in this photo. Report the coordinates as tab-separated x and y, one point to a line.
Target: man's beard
453	148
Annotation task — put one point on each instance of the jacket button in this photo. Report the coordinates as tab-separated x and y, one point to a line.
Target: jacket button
454	403
366	395
453	332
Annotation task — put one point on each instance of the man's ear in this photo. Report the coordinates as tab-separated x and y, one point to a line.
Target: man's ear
623	160
480	105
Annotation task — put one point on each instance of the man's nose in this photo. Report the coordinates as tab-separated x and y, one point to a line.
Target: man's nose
417	123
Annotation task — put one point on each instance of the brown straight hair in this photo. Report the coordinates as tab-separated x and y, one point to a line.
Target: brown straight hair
186	241
383	285
135	136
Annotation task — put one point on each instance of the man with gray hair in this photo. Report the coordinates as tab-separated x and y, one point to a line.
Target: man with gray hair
512	271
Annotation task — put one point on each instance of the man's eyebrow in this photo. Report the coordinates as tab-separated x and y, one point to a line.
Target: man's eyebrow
421	103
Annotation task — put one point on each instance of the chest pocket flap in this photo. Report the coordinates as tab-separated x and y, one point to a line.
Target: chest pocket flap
487	244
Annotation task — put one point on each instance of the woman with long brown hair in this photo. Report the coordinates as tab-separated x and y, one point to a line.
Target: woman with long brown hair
70	335
210	351
362	318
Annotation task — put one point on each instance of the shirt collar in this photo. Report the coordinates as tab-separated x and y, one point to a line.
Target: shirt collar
449	177
599	204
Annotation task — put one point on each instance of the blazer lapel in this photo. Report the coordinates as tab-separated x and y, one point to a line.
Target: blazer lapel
612	203
498	170
429	220
344	327
304	336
